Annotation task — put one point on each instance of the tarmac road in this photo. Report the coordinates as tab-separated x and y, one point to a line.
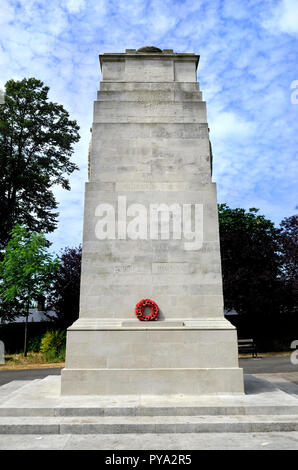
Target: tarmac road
265	365
268	365
26	374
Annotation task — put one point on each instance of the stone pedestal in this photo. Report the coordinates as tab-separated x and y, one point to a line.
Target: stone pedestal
150	149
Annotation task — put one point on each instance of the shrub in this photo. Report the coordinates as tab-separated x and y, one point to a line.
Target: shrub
34	344
52	345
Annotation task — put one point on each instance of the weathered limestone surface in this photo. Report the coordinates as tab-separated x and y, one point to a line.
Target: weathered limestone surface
2	352
150	143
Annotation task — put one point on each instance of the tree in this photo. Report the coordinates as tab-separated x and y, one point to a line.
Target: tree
251	267
36	143
288	237
65	292
26	272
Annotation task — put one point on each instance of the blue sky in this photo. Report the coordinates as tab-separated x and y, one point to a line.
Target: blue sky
249	58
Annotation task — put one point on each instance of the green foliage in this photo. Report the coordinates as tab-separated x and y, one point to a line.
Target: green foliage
250	260
36	143
52	345
34	344
256	256
26	271
51	356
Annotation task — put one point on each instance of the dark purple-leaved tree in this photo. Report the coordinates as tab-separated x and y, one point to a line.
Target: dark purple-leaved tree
65	293
288	237
289	247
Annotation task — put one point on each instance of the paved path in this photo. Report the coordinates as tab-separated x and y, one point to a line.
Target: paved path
265	365
164	442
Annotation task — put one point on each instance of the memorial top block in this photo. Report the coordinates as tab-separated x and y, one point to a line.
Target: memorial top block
161	65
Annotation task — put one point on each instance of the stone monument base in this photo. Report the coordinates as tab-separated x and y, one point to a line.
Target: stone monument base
37	407
116	357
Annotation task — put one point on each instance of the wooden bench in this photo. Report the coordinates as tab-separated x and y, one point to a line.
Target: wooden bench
247	345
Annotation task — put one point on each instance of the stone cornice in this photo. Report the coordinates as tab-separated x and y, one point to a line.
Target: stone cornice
133	54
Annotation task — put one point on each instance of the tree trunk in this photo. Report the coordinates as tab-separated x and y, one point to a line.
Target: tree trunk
26	334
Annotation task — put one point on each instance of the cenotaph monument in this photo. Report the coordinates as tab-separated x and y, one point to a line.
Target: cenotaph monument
151	240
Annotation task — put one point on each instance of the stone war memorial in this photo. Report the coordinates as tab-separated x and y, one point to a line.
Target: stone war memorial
151	352
151	306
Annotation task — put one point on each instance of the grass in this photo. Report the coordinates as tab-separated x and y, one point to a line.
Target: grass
32	361
266	354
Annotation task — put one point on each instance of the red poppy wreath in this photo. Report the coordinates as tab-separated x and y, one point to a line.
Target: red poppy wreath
140	307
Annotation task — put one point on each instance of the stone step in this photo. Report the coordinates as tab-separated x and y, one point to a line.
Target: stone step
147	424
9	389
152	411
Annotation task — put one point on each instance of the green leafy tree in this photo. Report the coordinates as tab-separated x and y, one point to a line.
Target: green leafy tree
36	143
26	272
251	268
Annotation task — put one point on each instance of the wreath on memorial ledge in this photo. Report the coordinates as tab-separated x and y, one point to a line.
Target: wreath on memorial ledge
140	307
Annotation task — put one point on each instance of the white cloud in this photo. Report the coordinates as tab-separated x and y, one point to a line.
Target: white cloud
284	17
74	6
245	73
289	17
229	125
6	12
